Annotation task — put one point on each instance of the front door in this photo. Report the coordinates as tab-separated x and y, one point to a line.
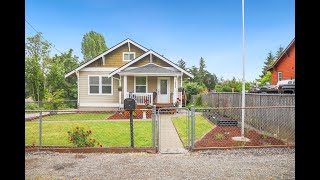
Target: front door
163	95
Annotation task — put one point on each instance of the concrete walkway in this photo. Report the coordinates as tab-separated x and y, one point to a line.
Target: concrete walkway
169	138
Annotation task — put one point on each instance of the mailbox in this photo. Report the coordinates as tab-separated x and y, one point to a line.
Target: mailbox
129	104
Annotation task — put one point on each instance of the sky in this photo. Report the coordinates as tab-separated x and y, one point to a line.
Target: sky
177	29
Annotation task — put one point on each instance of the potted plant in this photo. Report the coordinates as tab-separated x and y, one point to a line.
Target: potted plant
176	104
120	88
148	105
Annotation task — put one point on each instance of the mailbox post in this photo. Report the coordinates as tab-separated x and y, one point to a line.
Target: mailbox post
130	105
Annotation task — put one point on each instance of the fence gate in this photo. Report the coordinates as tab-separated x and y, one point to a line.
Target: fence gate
174	126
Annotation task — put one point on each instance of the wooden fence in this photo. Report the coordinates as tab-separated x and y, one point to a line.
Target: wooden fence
279	120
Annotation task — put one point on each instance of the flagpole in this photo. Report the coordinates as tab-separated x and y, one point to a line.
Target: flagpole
243	75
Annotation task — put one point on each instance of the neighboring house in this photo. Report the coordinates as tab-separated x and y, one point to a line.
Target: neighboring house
128	70
284	67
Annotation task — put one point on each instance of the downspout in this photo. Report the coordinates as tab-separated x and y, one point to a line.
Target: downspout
78	102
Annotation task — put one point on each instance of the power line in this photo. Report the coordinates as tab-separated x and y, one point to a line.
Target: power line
42	36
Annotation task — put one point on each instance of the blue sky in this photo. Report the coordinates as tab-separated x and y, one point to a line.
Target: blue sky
178	29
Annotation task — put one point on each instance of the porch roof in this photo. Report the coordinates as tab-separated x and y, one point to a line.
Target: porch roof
150	68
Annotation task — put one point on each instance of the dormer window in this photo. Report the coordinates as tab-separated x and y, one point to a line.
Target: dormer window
128	56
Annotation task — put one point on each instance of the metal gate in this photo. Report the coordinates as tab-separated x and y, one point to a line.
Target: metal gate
186	134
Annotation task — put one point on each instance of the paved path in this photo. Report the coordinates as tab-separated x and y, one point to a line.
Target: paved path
169	138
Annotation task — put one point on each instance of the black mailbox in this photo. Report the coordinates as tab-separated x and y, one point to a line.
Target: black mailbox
129	104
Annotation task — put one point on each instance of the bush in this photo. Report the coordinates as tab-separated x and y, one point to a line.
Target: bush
199	101
79	137
31	106
219	136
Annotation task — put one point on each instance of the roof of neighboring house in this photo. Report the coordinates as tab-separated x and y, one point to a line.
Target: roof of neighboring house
106	52
280	57
149	68
144	55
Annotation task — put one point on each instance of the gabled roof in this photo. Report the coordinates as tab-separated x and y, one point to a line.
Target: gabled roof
144	55
284	52
149	68
106	52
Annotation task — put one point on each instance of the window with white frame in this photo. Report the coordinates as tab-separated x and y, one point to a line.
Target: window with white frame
279	76
128	56
141	84
99	85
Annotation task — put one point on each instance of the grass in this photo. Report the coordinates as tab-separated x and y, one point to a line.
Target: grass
77	116
115	134
202	127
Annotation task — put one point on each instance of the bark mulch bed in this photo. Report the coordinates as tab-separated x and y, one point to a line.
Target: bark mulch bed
137	114
211	139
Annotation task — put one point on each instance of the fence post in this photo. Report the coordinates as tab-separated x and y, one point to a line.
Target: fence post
154	126
188	129
192	126
40	132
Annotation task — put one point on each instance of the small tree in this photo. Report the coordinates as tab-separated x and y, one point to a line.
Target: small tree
92	44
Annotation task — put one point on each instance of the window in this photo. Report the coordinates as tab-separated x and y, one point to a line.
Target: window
141	84
128	56
100	85
279	76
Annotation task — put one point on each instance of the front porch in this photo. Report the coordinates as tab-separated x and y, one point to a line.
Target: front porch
161	91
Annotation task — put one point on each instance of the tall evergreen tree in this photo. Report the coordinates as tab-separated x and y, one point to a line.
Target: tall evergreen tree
279	52
182	64
268	62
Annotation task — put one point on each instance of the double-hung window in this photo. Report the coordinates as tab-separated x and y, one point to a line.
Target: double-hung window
140	84
100	85
128	56
279	76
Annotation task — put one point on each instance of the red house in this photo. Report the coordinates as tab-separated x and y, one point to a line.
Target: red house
284	67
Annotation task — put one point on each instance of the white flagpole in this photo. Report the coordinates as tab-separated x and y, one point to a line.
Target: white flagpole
243	75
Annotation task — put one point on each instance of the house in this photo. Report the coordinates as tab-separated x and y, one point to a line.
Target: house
128	70
284	67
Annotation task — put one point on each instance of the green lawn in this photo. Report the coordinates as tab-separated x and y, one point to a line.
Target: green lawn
77	116
116	134
203	126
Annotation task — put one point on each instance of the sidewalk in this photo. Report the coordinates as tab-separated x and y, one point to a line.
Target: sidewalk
169	138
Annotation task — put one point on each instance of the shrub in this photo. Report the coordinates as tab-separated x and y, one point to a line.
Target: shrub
31	106
219	136
80	138
199	101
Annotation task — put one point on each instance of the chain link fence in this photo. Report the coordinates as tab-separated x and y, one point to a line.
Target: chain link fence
75	128
263	126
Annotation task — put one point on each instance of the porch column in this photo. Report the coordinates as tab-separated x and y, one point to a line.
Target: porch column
124	87
175	89
120	93
180	93
78	85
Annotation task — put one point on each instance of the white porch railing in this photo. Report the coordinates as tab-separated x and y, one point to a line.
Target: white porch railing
141	97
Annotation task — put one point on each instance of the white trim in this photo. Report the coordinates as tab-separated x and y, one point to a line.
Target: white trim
134	84
103	60
129	47
106	52
151	58
100	86
144	55
281	75
99	104
120	92
168	88
149	74
78	81
175	88
134	56
98	69
125	84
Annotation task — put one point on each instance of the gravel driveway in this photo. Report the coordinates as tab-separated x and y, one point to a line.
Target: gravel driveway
268	163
